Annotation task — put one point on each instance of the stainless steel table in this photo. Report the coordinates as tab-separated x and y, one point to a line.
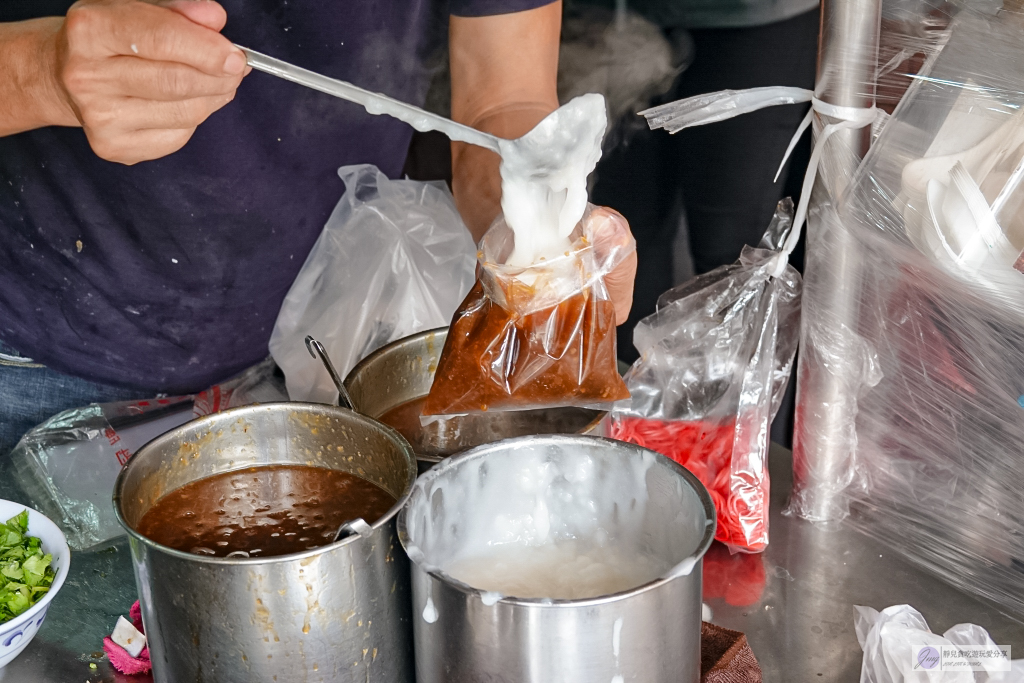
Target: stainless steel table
798	617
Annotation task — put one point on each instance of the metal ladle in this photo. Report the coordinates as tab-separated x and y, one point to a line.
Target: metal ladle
358	525
375	103
315	349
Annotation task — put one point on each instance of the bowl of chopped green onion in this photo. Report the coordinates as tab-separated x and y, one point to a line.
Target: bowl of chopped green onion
34	561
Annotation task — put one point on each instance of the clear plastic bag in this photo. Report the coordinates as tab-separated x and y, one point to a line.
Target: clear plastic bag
926	359
394	259
68	464
537	336
910	384
900	648
714	362
839	364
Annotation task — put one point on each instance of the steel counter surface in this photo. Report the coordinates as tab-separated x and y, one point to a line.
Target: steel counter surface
800	627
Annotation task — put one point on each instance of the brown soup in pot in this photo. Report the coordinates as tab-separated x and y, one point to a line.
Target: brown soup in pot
262	511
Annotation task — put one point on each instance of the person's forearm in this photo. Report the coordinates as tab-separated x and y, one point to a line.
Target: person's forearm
29	95
504	78
475	179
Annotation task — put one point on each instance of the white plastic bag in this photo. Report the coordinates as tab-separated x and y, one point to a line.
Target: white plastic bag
394	259
719	106
893	641
68	464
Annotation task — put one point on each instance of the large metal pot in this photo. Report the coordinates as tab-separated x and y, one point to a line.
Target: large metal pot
650	634
336	613
404	370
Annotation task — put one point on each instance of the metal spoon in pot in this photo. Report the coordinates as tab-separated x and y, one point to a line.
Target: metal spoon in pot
315	348
358	525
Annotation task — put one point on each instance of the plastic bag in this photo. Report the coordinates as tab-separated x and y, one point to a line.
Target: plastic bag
931	454
68	464
911	383
832	381
900	648
536	336
394	259
719	106
714	362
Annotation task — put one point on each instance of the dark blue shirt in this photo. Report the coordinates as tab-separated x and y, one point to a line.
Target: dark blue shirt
168	275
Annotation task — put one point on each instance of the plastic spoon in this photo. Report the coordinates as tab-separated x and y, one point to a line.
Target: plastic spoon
935	194
961	215
374	103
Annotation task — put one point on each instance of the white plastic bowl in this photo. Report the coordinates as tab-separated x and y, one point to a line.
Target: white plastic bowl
16	634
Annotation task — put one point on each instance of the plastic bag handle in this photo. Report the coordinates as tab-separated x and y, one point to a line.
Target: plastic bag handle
725	104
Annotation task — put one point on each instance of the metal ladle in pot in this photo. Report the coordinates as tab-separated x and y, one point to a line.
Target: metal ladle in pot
315	348
358	525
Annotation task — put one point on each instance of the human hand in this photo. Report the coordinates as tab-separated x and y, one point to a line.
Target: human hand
141	76
611	233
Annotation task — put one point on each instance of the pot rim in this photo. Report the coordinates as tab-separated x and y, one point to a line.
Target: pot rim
260	408
439	331
384	350
481	451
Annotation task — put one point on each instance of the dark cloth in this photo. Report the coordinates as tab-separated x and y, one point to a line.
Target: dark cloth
168	275
720	174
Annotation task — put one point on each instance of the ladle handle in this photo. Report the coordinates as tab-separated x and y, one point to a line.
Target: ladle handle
357	526
417	118
315	349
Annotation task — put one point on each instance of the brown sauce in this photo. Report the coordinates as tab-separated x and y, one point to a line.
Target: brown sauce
494	359
447	435
264	511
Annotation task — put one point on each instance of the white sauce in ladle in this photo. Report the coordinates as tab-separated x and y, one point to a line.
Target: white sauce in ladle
543	173
544	178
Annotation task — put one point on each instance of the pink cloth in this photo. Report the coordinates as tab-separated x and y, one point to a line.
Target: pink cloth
119	657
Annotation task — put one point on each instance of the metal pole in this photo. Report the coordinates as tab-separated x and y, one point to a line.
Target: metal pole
826	410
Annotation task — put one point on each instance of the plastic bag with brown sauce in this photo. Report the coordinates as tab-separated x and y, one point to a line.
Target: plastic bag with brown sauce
538	336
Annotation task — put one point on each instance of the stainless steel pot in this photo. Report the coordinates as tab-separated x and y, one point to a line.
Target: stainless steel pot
404	370
336	613
650	634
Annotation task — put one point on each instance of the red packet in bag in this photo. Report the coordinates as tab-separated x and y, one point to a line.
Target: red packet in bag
714	362
536	336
